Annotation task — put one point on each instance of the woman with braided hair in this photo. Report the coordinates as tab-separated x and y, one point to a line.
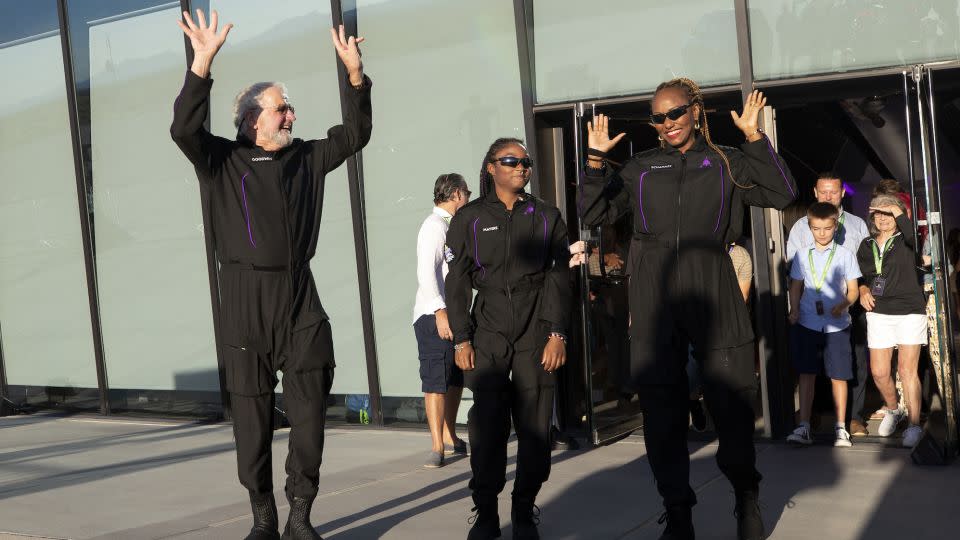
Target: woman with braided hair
688	198
512	248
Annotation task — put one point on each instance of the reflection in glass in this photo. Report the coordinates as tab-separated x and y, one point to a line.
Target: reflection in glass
792	38
619	47
445	96
151	265
44	307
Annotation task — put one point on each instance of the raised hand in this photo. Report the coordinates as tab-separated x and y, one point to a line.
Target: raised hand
598	137
749	120
204	39
349	53
891	209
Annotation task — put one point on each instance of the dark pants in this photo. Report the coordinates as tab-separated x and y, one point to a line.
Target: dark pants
666	421
273	322
527	398
861	358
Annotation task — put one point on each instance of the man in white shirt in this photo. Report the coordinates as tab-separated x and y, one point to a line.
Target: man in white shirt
442	380
851	231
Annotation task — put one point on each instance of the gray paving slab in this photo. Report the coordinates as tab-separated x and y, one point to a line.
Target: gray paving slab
90	477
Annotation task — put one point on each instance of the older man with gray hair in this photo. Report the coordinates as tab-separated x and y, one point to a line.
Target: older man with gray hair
266	200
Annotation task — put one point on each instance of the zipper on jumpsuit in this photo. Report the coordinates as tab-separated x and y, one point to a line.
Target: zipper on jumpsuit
683	173
506	270
286	225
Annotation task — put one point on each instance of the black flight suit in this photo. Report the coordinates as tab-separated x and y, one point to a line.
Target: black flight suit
266	209
518	263
683	290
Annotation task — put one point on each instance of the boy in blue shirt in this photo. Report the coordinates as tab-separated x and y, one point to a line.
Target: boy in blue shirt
823	286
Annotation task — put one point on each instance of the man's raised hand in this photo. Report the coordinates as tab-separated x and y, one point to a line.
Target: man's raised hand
204	39
349	53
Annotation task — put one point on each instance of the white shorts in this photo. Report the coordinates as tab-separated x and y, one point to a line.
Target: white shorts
886	331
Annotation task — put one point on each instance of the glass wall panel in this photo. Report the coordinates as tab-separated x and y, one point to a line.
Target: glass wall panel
617	47
267	45
151	264
791	38
439	99
44	307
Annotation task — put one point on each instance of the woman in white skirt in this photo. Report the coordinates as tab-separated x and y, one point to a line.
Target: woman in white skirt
896	313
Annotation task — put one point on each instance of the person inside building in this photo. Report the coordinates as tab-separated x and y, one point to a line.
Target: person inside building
441	379
896	312
823	286
512	249
266	197
851	232
688	197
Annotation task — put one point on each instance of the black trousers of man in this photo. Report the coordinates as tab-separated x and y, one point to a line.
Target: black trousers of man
861	359
273	322
527	398
729	399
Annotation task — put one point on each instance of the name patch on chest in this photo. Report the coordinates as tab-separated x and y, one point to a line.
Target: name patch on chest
263	158
488	229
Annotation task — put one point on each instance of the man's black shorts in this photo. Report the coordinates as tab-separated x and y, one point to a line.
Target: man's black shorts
438	371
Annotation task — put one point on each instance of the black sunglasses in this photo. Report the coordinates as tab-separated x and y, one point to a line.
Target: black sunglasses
282	109
512	161
673	114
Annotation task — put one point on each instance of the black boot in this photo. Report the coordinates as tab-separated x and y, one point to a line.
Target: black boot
485	520
298	523
525	516
679	523
749	520
265	521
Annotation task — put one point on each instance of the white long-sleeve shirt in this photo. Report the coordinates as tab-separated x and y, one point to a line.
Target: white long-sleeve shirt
431	263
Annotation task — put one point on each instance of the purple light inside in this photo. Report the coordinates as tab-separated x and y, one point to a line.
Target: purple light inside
848	189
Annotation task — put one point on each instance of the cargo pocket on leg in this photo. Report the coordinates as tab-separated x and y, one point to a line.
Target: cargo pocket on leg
246	373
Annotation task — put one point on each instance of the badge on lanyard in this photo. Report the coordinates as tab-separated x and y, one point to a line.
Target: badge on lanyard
818	282
879	282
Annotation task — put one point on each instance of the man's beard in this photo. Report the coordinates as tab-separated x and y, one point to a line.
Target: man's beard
282	138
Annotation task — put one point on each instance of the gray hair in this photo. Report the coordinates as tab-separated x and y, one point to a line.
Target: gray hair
884	200
249	99
447	185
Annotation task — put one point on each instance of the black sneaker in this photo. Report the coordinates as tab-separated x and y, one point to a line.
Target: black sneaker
298	523
698	420
485	521
747	512
265	522
679	521
525	517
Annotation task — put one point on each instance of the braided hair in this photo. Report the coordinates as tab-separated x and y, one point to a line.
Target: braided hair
695	96
486	179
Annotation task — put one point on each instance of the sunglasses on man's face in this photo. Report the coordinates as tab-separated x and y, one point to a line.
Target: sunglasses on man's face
512	162
282	109
673	114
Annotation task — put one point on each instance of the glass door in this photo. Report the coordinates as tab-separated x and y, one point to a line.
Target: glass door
932	149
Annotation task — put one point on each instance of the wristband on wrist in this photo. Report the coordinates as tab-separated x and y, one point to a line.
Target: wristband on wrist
759	130
557	335
459	346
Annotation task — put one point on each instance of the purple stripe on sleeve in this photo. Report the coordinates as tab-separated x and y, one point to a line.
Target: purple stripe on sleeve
476	249
773	155
544	234
640	201
246	209
722	200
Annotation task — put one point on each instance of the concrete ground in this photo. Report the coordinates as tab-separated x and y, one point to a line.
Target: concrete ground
93	477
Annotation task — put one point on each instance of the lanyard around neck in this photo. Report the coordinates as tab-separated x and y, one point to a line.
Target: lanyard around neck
818	283
878	255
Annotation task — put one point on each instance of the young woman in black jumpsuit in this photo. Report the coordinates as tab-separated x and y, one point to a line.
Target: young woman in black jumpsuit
512	248
688	198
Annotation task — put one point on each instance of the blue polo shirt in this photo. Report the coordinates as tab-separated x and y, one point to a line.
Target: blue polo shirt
842	268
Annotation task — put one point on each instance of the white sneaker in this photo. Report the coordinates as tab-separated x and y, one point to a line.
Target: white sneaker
911	436
800	436
891	419
843	438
